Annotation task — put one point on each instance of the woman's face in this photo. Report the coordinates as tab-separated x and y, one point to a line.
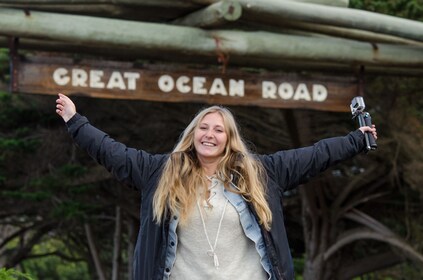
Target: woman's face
210	138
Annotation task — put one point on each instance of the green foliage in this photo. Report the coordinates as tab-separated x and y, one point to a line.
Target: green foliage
12	274
43	188
4	65
40	184
16	113
53	267
29	196
72	210
299	264
402	271
411	9
16	144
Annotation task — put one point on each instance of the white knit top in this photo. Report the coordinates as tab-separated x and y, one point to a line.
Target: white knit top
237	256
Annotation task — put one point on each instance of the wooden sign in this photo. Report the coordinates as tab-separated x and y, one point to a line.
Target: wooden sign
181	83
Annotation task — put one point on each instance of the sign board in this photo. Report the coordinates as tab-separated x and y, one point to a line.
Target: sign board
181	83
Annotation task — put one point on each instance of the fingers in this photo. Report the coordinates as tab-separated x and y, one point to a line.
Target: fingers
375	135
62	101
65	107
369	129
63	97
59	101
372	130
60	104
59	109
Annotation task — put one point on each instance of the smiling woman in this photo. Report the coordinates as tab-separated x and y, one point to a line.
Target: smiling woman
210	209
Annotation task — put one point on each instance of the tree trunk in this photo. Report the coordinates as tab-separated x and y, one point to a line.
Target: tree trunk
319	232
131	246
116	247
94	252
27	240
318	228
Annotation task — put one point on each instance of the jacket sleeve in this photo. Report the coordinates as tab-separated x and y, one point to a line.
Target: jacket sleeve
293	167
128	165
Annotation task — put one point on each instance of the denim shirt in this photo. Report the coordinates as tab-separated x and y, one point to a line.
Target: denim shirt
248	223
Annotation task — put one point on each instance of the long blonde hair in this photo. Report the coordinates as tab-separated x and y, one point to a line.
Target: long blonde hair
182	174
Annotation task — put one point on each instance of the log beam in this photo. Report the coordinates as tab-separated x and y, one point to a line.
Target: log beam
247	48
276	11
150	13
314	29
214	15
338	3
162	3
271	64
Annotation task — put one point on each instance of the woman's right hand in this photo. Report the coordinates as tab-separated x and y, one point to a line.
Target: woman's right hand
65	107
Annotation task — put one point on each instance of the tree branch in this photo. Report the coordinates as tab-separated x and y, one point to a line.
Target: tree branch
354	183
117	244
366	220
364	233
55	253
369	264
23	251
94	252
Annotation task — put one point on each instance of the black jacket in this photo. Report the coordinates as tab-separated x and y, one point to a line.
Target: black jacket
285	170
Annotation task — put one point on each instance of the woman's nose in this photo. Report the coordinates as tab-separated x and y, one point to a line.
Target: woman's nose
209	133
